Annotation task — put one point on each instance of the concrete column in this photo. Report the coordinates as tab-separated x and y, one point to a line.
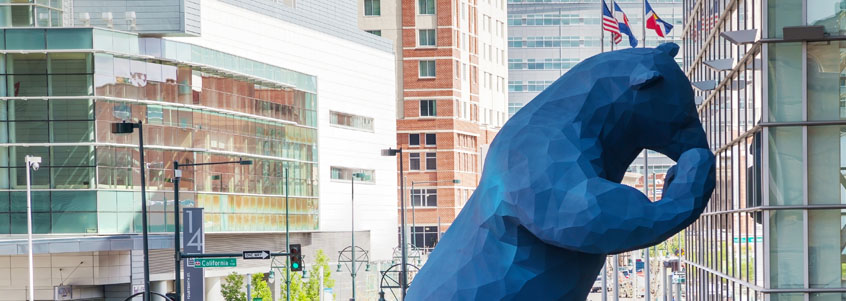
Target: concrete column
158	287
213	289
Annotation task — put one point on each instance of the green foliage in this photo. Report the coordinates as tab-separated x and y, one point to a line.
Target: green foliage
260	288
231	288
310	288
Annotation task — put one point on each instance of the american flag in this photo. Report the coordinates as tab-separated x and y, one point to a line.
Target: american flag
707	20
610	24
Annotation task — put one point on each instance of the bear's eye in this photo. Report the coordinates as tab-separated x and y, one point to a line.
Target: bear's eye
640	80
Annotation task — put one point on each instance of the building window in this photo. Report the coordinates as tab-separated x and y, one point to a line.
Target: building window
414	161
431	161
351	121
426	7
427	69
424	197
375	32
427	108
425	238
430	139
414	139
372	8
344	173
426	37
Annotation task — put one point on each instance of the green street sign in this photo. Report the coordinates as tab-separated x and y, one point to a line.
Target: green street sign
214	262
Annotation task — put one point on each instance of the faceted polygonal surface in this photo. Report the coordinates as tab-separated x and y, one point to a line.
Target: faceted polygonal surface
550	206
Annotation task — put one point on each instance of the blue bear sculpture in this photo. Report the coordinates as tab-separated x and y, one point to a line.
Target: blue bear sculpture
550	207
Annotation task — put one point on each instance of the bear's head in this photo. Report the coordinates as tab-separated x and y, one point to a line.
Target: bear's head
650	97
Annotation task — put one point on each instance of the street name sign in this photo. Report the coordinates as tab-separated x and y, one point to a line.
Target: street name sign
263	254
214	262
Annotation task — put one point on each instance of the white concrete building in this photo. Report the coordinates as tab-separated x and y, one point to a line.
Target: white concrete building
273	51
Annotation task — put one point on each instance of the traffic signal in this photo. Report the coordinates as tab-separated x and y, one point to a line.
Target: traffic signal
296	257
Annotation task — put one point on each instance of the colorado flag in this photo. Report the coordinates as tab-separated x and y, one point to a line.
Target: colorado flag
655	23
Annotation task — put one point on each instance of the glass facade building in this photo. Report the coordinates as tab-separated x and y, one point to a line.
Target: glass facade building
548	37
776	120
62	88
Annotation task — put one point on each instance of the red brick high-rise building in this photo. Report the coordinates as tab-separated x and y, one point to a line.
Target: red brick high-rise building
451	99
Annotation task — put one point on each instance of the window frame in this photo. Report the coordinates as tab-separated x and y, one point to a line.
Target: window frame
370	13
412	157
410	139
420	7
433	156
430	68
433	37
434	139
431	106
428	197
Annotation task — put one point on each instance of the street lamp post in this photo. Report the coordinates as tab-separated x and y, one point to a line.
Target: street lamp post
177	176
31	163
403	271
128	128
352	232
413	222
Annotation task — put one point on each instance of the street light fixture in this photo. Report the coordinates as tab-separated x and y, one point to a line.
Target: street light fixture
31	163
128	128
392	152
177	175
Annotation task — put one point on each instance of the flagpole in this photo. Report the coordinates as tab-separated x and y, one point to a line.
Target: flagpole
601	26
643	21
613	11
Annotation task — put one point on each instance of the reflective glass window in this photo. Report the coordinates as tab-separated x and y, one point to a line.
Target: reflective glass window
785	80
786	255
785	166
826	89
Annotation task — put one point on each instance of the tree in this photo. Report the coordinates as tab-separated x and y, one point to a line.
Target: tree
260	288
313	284
310	289
231	288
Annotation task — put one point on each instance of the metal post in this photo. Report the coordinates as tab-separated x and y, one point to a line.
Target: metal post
601	31
249	292
643	33
321	284
646	295
287	243
29	161
664	286
616	278
413	222
605	280
678	291
177	175
352	205
403	270
144	212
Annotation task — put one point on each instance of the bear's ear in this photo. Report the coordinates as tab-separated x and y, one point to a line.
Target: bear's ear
670	49
640	80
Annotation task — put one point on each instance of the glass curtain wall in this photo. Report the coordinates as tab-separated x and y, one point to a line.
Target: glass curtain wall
777	123
31	13
58	104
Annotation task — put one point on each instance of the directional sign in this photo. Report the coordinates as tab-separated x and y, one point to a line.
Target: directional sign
214	262
193	241
264	254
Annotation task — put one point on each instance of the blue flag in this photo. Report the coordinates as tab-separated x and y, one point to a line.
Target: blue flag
624	24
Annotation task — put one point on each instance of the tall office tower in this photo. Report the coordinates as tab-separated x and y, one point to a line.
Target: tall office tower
773	104
212	81
450	101
547	38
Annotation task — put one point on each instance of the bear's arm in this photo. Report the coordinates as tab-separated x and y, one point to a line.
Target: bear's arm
602	217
